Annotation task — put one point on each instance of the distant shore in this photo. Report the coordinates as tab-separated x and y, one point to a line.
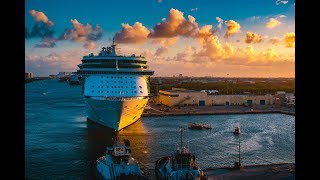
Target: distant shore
215	110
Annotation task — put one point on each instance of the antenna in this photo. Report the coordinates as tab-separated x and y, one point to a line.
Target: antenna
181	130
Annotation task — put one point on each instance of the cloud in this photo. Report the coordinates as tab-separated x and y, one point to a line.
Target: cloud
89	45
46	43
272	23
82	33
194	9
41	30
220	21
187	55
254	18
252	38
278	2
212	48
165	42
232	28
275	41
175	25
204	32
52	63
289	39
40	16
282	16
136	34
161	51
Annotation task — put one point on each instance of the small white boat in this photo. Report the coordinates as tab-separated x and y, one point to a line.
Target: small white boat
236	130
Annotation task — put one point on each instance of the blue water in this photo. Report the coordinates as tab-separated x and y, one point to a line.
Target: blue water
61	144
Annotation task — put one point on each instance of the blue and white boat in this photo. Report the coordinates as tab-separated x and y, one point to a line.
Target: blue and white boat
118	163
181	165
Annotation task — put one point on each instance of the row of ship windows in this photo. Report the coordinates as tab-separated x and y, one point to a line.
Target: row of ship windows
118	82
117	86
117	91
114	77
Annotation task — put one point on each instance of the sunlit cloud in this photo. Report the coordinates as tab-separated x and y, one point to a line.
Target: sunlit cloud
232	28
40	16
252	38
282	16
82	33
135	34
165	42
175	25
289	39
272	23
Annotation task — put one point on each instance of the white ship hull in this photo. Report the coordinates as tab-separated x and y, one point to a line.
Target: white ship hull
115	114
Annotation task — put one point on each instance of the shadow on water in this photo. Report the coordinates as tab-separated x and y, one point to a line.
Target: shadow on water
100	137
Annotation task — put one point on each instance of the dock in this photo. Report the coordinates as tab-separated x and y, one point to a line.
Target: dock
215	110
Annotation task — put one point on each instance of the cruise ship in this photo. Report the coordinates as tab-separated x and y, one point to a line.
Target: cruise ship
115	88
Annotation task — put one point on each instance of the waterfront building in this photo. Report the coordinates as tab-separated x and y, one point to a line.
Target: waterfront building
185	97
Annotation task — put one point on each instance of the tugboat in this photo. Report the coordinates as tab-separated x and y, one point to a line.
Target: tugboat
199	126
118	163
236	130
181	165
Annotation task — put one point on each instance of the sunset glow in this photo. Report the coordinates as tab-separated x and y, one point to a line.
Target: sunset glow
193	38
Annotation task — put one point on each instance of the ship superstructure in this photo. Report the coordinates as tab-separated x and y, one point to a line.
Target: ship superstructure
115	87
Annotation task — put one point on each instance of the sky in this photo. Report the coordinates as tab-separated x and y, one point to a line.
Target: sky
197	38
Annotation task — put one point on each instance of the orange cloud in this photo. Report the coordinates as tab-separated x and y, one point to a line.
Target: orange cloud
135	34
40	16
204	32
212	48
289	39
82	33
79	31
252	38
232	28
165	42
175	25
272	23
